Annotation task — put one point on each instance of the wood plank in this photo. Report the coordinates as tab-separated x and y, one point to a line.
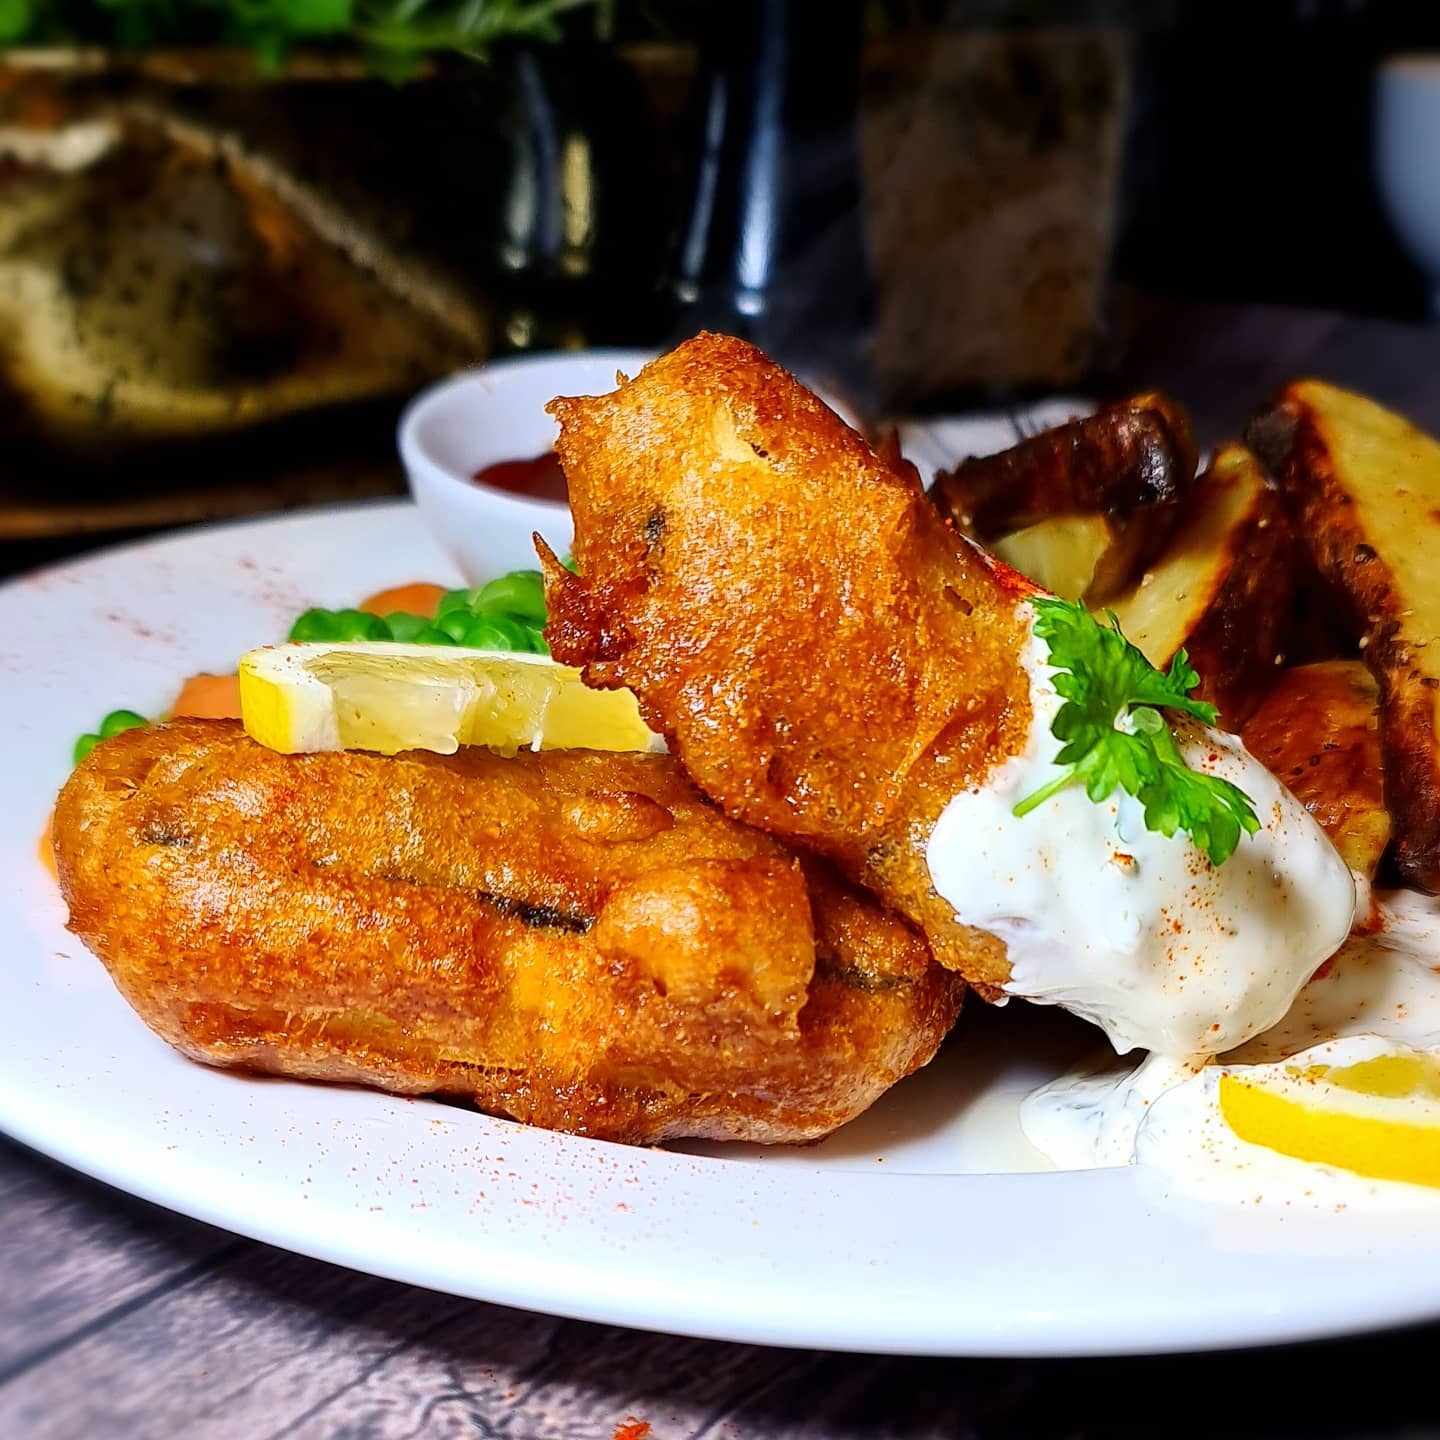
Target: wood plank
72	1251
256	1342
272	1345
251	1342
500	1373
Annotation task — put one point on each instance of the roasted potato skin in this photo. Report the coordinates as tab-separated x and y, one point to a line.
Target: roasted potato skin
1245	633
1319	731
1129	456
1224	588
1132	463
1292	438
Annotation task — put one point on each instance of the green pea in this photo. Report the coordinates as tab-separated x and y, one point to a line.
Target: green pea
339	626
496	632
455	623
361	625
84	745
404	628
314	624
453	600
120	720
521	594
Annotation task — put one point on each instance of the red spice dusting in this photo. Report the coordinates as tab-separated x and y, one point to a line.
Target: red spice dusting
632	1429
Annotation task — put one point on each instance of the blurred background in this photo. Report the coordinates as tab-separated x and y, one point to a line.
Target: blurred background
236	235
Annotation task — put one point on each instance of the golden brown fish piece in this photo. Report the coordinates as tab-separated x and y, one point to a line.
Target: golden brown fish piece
828	659
577	940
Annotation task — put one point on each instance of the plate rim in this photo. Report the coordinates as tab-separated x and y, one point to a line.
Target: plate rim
1410	1294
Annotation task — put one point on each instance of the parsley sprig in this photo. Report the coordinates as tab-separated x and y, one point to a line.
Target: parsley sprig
1106	682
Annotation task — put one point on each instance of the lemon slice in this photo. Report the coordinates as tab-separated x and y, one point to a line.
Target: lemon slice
1379	1117
386	697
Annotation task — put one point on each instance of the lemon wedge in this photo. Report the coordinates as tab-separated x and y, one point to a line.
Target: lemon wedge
387	697
1379	1117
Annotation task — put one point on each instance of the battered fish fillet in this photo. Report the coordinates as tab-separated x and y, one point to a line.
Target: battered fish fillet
828	659
574	939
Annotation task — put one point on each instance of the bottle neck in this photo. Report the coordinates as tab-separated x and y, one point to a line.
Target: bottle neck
771	246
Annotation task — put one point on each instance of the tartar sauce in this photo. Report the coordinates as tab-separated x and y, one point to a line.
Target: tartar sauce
1134	930
1379	996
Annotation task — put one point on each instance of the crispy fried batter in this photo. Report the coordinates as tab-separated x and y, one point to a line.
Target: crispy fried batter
827	657
574	939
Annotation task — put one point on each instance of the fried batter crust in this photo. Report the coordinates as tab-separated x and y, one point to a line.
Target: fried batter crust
573	939
828	658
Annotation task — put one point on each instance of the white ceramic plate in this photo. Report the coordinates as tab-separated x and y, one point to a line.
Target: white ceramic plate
881	1239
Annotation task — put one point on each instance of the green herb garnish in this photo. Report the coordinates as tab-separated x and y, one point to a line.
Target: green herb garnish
1104	681
395	35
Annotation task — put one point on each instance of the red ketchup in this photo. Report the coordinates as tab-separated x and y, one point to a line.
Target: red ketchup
540	478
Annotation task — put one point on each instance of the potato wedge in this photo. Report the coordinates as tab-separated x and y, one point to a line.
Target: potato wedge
1061	554
1222	589
1319	731
1125	457
1129	463
1365	486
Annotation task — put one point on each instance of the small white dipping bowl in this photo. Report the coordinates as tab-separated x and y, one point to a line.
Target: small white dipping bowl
479	418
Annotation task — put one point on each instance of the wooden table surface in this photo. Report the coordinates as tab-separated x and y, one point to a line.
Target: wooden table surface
120	1319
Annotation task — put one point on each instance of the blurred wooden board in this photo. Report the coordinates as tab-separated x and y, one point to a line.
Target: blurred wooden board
31	518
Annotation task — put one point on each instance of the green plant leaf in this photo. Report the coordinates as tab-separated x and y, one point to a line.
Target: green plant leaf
318	17
16	18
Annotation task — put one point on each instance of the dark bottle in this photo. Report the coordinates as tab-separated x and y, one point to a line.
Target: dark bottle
577	231
772	245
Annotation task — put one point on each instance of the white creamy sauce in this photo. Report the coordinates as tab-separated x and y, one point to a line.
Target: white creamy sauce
1185	1139
1204	967
1131	929
1383	983
1380	995
1089	1118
